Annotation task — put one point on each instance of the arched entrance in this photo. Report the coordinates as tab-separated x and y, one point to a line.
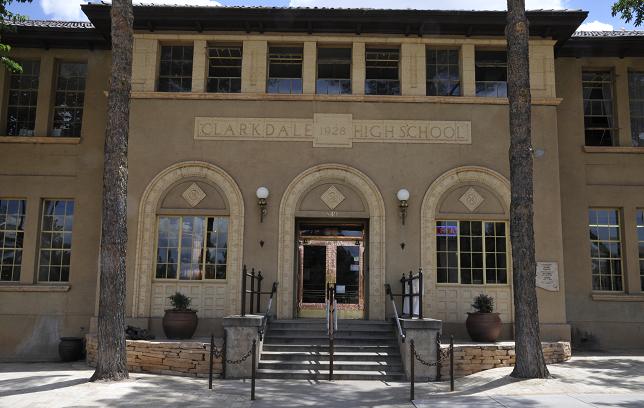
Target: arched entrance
346	193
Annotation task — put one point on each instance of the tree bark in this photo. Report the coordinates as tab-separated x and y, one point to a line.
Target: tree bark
529	355
111	359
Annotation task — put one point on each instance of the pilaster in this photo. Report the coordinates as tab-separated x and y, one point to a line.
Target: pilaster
468	80
621	105
412	69
358	68
199	66
254	64
46	84
309	68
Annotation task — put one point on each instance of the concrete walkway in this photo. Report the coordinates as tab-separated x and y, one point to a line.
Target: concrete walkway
599	380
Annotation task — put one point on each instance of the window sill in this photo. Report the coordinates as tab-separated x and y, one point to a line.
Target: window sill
614	149
33	288
618	297
40	139
336	98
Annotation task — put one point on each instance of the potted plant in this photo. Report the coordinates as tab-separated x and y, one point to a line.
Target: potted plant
180	322
483	325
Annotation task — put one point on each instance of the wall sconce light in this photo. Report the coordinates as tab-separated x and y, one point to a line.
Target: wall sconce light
403	197
262	195
537	152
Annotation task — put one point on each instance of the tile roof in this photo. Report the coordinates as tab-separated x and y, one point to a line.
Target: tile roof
608	34
51	24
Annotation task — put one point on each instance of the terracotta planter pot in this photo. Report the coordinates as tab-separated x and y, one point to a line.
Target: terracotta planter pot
70	348
179	324
483	327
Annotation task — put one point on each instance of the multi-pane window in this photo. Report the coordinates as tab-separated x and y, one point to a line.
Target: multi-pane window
12	231
443	73
69	99
23	96
640	244
175	68
605	249
491	73
382	76
471	252
224	69
599	123
55	240
334	71
192	247
636	93
285	70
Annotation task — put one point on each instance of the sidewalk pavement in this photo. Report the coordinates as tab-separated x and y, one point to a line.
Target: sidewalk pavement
599	380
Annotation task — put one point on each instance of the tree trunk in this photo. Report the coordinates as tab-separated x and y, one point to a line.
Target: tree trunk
112	360
529	355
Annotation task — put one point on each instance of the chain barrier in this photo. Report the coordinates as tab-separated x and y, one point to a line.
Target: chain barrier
220	353
441	356
215	352
443	353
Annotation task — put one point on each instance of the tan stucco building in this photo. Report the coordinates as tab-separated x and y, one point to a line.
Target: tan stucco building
333	112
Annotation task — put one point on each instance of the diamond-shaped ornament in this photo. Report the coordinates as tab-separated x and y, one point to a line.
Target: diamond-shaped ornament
332	197
193	195
471	199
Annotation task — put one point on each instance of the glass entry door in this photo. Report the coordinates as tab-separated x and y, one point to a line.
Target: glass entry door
331	255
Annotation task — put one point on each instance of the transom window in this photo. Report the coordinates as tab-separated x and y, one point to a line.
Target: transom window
471	252
23	98
334	71
605	249
443	72
598	108
192	247
175	68
224	69
285	70
382	76
55	240
491	73
640	244
12	231
69	99
636	93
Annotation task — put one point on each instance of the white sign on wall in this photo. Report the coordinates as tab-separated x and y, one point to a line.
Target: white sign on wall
548	276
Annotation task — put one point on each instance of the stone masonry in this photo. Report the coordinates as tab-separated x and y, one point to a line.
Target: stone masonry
174	357
472	358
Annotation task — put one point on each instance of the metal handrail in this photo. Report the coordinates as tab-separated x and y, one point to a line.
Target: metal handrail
393	304
332	323
267	314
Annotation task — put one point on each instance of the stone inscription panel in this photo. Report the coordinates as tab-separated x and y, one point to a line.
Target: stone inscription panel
333	130
548	276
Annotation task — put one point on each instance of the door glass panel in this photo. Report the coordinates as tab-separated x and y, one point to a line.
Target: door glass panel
348	273
314	274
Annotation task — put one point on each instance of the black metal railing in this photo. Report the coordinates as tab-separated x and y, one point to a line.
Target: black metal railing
409	293
254	292
331	322
267	314
401	334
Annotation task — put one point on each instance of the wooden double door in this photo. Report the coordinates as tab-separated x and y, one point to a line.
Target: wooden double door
331	254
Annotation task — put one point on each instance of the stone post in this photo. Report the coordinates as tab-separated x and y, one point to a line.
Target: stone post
424	333
239	334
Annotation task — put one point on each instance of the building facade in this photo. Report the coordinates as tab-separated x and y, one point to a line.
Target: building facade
339	115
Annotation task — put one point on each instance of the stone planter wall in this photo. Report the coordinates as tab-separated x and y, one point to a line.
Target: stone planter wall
472	358
175	357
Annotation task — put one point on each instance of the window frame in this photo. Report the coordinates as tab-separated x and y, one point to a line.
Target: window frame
7	93
160	60
317	68
484	253
639	230
290	79
636	140
619	225
614	130
382	49
52	105
459	64
477	82
16	248
180	216
39	244
219	45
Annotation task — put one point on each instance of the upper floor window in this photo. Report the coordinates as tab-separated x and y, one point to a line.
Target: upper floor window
471	252
443	73
640	241
382	76
175	68
605	248
598	108
491	73
23	97
285	70
334	71
192	247
69	99
12	232
55	240
636	93
224	69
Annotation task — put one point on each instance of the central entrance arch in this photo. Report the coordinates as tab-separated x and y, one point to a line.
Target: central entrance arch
330	180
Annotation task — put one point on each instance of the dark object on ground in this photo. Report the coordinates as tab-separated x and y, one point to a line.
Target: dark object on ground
484	327
179	324
70	348
137	333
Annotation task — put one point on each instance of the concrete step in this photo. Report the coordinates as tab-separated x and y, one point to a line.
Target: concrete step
320	324
324	365
391	357
380	330
324	341
340	334
337	375
324	347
